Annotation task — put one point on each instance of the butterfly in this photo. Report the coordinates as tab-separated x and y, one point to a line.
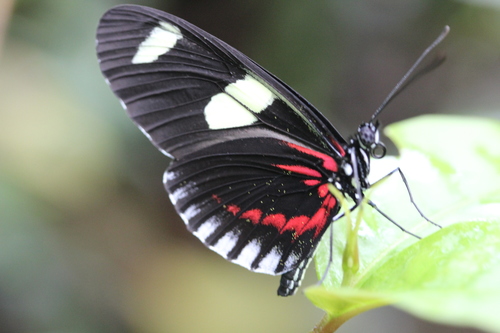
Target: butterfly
252	160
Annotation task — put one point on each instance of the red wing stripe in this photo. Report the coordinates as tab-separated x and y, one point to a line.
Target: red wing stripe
328	161
337	145
276	220
253	215
318	220
299	169
296	224
311	182
323	190
233	209
330	202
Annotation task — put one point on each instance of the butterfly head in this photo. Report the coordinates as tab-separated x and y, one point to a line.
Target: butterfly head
369	139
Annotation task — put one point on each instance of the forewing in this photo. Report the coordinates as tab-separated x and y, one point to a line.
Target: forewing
187	89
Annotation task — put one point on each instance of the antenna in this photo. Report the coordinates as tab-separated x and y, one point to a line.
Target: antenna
407	77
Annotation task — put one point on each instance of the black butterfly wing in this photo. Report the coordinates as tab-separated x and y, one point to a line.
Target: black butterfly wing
251	156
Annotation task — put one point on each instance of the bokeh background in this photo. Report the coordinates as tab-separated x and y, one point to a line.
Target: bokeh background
89	241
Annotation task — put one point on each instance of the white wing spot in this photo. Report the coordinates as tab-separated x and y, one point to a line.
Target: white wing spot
251	93
161	40
235	107
189	213
207	228
225	112
169	175
270	262
182	192
291	261
225	244
248	254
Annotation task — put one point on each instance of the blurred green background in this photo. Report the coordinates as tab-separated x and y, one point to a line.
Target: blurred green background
89	241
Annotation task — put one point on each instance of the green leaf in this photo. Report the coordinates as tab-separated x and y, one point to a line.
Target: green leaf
452	275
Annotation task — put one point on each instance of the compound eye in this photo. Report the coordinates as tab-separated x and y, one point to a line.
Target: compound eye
367	135
378	151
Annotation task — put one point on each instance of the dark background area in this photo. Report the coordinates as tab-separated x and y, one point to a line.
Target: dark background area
89	241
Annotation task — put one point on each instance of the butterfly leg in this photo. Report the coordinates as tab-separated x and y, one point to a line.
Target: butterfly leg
330	256
391	220
405	182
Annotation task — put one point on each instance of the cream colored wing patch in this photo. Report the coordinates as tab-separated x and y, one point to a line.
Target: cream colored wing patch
161	40
235	107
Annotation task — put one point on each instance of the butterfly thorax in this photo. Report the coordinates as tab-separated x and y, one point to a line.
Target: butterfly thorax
352	179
